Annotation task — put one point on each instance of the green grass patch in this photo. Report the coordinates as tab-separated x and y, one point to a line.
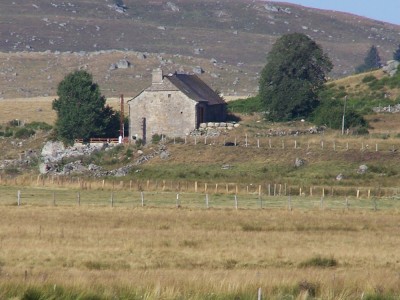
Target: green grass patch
319	262
248	105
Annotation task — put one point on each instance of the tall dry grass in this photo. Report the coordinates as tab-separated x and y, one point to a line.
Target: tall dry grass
194	254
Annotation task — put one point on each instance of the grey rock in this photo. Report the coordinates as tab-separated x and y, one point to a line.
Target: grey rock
123	64
362	169
164	155
391	67
340	177
173	7
198	70
299	162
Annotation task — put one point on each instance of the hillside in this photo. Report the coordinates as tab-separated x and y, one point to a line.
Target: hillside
41	41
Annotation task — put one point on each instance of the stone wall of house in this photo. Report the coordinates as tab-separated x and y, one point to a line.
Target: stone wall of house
167	112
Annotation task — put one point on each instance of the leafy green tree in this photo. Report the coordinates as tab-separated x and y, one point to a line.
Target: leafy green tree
296	69
330	113
371	62
81	110
396	54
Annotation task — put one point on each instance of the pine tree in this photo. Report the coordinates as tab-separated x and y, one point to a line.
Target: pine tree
371	62
295	71
396	54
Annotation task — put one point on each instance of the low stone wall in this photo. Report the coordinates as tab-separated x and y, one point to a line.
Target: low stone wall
219	125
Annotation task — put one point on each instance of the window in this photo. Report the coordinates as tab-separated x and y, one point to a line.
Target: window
169	95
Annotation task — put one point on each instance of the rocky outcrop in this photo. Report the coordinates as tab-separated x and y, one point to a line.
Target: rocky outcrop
54	155
391	67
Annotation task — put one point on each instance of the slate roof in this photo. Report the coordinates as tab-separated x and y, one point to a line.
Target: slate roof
195	88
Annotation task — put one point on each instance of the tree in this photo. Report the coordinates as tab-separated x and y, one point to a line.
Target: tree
296	69
371	62
330	113
396	54
81	110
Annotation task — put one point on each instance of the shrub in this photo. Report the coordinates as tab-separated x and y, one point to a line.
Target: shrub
156	138
39	126
369	78
247	105
14	123
330	113
23	133
320	262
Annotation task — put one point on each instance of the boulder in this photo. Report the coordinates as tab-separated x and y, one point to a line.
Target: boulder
391	67
299	162
52	149
198	70
339	177
362	169
123	64
164	155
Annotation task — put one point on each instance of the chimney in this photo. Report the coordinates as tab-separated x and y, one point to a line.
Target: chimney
157	76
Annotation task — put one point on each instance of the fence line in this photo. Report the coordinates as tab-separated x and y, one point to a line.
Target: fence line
288	142
113	199
270	189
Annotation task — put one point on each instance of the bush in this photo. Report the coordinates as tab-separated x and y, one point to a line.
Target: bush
39	126
369	78
247	105
23	133
330	113
14	123
361	131
156	138
318	261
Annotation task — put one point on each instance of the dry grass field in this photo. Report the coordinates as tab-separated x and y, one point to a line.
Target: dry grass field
148	253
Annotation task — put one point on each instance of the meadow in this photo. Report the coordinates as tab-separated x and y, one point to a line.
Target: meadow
99	252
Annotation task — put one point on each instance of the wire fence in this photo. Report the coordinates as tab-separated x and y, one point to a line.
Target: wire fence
17	196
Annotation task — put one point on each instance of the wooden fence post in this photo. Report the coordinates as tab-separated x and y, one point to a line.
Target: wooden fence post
195	186
207	201
112	199
289	203
142	198
178	204
236	202
19	198
259	296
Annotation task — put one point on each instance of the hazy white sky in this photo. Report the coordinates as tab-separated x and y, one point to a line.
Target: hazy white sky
383	10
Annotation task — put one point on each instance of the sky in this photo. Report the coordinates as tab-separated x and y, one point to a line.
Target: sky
383	10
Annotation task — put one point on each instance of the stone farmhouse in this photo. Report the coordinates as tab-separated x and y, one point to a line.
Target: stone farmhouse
174	105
